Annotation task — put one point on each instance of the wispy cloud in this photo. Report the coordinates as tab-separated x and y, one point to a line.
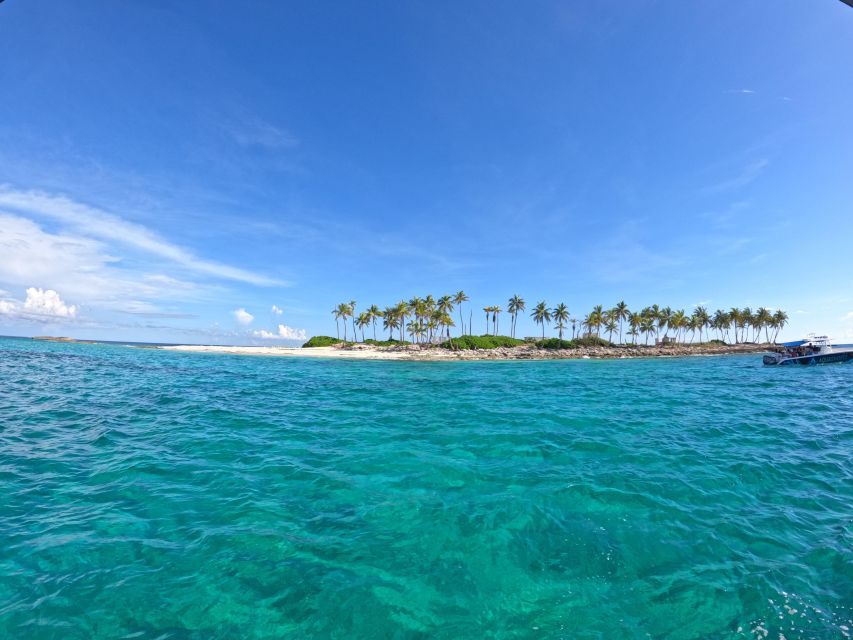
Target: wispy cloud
747	175
625	257
742	91
252	131
100	224
85	270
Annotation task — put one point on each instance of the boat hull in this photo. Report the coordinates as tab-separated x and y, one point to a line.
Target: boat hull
816	358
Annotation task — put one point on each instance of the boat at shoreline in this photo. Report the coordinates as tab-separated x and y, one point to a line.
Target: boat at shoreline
810	350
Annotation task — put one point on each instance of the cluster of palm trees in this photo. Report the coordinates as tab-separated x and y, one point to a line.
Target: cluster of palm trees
423	319
428	319
735	325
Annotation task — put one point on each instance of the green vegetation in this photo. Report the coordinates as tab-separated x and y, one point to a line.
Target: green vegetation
480	342
386	343
592	341
587	341
321	341
556	343
429	321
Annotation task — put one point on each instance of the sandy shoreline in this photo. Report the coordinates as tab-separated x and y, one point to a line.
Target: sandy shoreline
416	353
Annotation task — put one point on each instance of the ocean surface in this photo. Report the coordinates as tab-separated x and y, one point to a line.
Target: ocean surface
159	495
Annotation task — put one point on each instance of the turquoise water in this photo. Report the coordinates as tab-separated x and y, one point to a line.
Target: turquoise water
150	494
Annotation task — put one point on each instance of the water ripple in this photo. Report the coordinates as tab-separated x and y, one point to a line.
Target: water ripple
166	495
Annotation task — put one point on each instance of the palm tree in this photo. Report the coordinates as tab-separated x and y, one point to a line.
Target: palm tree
414	329
700	319
621	313
337	313
610	327
351	306
496	312
721	322
401	310
541	315
374	312
634	321
664	317
515	305
678	321
445	304
444	320
458	299
647	326
762	321
362	322
693	326
633	332
344	311
735	319
487	310
390	321
746	322
574	326
561	316
780	319
595	319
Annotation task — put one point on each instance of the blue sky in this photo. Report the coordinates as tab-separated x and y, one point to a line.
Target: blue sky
165	165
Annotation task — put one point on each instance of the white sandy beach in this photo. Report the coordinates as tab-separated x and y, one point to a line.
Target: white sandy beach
315	352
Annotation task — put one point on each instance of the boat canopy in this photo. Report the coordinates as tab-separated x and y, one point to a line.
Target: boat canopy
795	343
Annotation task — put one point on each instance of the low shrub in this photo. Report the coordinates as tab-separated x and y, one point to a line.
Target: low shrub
592	341
385	343
587	341
480	342
556	343
321	341
717	341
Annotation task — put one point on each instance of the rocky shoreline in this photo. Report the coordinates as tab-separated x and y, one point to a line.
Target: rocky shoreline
531	352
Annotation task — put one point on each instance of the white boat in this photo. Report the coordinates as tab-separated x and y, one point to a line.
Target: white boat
810	350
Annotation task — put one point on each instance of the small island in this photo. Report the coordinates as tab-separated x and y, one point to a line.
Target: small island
428	322
61	339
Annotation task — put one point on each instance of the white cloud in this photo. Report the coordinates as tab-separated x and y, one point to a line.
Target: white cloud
48	303
277	310
743	91
284	333
40	305
107	226
243	317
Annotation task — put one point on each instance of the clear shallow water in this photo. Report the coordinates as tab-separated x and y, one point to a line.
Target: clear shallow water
162	495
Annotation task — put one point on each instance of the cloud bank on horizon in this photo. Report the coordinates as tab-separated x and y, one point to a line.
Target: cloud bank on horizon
577	154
